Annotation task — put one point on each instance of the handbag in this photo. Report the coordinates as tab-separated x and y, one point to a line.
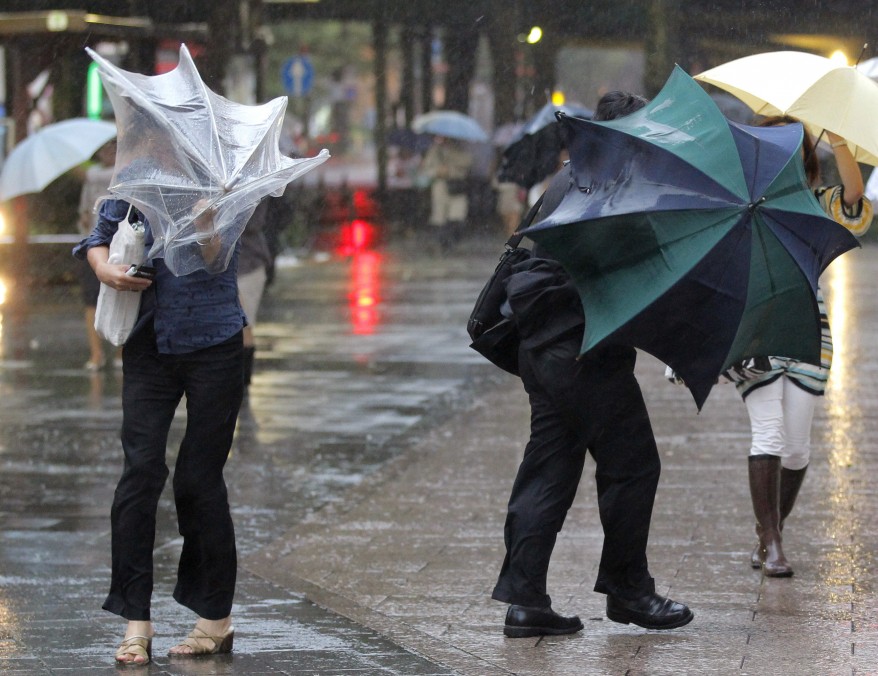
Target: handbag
116	311
457	186
494	335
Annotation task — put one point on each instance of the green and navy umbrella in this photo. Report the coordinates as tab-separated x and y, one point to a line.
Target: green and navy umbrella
692	237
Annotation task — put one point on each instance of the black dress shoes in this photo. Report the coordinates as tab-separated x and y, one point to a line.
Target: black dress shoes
650	612
522	622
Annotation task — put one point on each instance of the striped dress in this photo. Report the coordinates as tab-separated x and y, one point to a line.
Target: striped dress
810	377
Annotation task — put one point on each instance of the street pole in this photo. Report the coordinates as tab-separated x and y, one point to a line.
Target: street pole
379	36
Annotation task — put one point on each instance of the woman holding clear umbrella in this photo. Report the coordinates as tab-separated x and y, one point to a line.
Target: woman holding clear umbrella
187	341
780	400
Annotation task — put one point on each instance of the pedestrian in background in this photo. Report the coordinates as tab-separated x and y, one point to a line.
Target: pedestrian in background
95	187
254	263
447	164
187	341
579	404
780	401
510	204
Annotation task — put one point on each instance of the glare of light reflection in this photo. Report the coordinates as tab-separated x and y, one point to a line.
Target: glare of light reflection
355	236
839	58
3	292
845	562
364	296
837	282
2	224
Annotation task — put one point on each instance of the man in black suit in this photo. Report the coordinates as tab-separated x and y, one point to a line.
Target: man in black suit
591	403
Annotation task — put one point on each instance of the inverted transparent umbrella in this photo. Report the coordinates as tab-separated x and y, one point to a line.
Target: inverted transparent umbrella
186	152
50	152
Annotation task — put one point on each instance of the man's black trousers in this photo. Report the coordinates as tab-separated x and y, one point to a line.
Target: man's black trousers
589	404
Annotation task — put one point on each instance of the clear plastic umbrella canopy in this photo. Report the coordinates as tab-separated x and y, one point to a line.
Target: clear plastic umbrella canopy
195	163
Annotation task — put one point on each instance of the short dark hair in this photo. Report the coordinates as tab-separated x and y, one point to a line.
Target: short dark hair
617	104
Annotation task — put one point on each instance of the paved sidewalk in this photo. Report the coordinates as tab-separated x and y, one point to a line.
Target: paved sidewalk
369	480
414	553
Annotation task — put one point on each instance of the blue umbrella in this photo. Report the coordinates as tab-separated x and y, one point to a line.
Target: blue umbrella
408	139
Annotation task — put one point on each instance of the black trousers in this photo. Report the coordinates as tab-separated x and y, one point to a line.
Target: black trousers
153	385
592	404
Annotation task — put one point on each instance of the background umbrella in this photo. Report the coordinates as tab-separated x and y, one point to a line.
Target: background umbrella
534	152
53	150
450	124
185	150
816	90
506	134
869	67
692	237
408	139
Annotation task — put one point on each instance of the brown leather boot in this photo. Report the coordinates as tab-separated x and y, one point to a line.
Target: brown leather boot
790	483
757	554
765	473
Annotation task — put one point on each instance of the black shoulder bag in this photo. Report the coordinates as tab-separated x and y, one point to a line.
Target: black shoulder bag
494	336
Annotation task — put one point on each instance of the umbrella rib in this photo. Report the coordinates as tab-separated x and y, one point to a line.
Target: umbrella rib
208	102
771	277
300	167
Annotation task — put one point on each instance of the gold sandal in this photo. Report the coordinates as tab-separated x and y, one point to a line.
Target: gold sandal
137	646
203	643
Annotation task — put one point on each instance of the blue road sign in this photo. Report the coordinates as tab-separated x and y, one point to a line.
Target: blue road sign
297	75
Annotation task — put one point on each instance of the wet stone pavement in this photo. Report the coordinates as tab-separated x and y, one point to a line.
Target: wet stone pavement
369	478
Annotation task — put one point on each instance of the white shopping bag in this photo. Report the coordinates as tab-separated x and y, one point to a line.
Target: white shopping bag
117	311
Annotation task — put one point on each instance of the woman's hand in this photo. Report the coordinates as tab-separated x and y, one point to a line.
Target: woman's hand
112	274
848	169
206	235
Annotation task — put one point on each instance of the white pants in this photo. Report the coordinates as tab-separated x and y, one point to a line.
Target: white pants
780	422
446	208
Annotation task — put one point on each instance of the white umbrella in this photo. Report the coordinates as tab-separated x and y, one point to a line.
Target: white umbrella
821	93
450	124
53	150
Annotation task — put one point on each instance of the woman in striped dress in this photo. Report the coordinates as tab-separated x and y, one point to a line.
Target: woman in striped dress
780	401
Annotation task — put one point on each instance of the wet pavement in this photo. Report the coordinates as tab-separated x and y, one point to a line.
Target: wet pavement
369	478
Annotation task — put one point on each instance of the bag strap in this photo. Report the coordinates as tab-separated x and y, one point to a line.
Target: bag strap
517	236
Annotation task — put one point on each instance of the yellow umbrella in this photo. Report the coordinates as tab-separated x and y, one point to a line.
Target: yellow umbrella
816	90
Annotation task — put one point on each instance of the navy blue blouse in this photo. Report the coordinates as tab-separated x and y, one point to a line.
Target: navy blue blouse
188	313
